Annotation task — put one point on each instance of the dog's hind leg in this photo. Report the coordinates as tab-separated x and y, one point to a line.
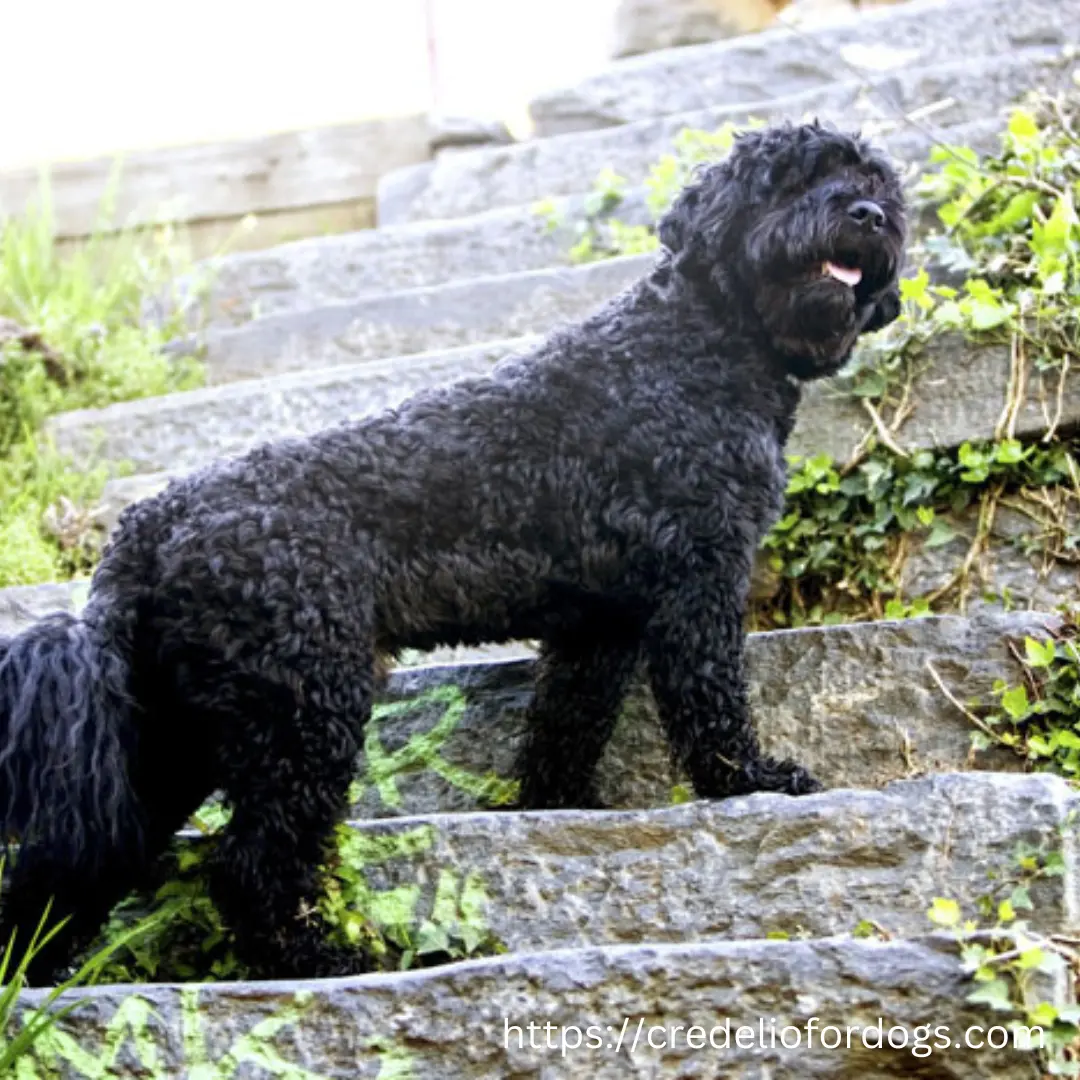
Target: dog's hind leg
694	645
583	679
288	762
83	894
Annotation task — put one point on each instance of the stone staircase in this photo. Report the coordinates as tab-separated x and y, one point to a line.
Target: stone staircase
650	910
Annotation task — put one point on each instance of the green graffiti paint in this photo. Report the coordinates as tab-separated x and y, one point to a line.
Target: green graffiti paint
128	1029
395	1062
424	751
129	1046
253	1048
362	849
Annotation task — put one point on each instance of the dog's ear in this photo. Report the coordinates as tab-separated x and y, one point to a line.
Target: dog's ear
695	227
676	226
885	311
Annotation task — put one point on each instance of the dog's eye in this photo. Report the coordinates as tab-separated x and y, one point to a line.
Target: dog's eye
837	161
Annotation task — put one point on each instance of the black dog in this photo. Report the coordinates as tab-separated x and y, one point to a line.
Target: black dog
604	493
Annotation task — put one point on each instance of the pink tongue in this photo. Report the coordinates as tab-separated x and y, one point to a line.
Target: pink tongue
849	275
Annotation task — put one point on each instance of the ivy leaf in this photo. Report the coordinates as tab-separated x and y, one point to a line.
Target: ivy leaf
431	938
1022	126
916	290
944	912
1054	864
472	938
1050	240
1039	654
1031	959
942	533
985	306
1066	739
1017	211
1009	452
870	384
1044	1015
994	993
1015	702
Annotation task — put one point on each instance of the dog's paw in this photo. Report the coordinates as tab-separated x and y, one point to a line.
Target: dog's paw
786	777
535	797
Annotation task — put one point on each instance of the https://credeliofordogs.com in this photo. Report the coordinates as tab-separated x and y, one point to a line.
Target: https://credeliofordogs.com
634	1036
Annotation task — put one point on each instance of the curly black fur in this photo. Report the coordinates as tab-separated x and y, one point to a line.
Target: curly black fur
604	493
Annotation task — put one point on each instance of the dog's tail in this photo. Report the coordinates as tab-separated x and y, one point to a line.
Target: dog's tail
66	734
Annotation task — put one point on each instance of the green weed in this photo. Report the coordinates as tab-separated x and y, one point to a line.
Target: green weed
78	337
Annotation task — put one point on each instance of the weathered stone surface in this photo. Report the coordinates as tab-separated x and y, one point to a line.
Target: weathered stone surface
334	269
23	604
449	133
469	183
413	321
122	491
643	26
1011	566
741	868
461	1020
959	397
780	62
855	704
182	431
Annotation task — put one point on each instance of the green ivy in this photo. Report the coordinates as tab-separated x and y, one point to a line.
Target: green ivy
600	235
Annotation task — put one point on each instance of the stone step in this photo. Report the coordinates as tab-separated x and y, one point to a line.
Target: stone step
967	385
351	266
471	182
856	704
741	868
782	61
183	431
305	329
21	605
463	1020
411	321
336	269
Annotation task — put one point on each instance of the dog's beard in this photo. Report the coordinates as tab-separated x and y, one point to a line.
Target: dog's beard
813	324
817	287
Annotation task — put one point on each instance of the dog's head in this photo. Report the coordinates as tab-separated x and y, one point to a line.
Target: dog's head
804	224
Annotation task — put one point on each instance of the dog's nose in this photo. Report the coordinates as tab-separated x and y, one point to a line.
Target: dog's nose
867	215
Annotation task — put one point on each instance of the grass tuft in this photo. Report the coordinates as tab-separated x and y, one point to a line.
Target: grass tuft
81	326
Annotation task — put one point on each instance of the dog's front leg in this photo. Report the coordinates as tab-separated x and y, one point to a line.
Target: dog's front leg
582	680
694	646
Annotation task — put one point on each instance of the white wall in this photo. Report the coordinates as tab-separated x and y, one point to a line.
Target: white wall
81	78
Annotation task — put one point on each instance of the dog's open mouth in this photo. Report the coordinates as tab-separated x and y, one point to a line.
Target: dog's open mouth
848	275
